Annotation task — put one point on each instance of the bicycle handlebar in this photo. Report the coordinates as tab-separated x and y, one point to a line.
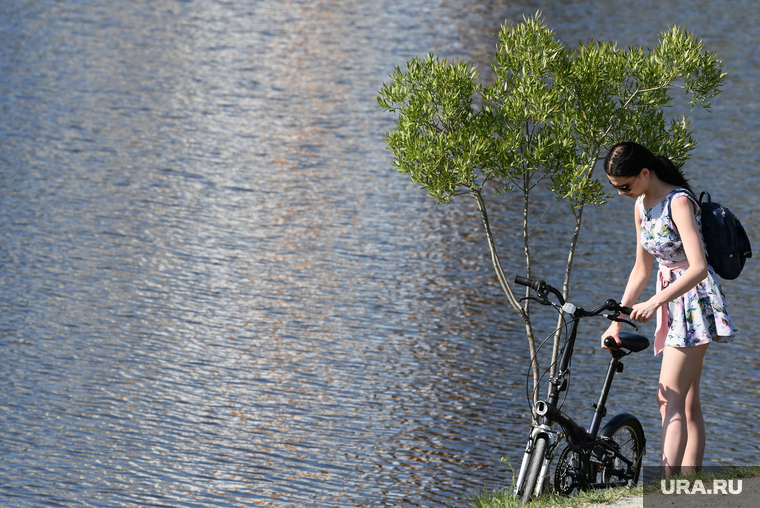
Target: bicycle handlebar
536	285
543	289
613	305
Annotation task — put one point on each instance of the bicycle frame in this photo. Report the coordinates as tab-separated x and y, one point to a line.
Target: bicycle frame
582	441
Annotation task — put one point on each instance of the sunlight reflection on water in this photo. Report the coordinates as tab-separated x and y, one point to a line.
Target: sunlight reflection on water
216	291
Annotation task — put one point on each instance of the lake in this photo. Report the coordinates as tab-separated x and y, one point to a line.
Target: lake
215	290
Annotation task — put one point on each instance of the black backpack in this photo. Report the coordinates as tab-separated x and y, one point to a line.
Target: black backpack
726	241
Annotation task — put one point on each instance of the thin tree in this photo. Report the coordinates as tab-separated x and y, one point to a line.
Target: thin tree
549	116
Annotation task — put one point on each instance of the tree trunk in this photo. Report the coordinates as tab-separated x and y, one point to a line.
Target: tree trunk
566	283
508	291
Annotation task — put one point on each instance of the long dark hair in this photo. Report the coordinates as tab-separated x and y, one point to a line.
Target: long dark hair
629	158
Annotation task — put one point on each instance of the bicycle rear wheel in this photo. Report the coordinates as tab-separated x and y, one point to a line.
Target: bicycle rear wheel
626	431
534	469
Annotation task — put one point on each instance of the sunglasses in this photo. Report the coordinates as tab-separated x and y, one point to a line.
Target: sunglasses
626	188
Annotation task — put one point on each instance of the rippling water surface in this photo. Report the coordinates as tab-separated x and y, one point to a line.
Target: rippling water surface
215	291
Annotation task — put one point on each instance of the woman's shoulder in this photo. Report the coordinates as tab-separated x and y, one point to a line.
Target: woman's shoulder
640	204
680	191
684	196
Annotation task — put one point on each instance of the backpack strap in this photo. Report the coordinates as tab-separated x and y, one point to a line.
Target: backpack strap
691	196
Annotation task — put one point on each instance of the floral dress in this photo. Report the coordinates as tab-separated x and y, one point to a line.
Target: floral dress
700	315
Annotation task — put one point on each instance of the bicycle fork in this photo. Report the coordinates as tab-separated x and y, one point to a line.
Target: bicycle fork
553	437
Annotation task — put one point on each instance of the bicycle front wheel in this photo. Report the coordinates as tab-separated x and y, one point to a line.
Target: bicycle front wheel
628	434
534	469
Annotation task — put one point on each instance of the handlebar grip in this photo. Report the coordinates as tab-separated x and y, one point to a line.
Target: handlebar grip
613	305
523	281
534	284
611	343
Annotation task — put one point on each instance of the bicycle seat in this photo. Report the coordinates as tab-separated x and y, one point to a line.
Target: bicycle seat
633	342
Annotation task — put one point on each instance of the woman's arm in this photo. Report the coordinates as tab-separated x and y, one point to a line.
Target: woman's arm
686	223
637	280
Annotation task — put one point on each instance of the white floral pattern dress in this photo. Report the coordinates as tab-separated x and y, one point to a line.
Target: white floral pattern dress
699	316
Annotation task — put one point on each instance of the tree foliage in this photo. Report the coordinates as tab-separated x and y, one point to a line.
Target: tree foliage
548	117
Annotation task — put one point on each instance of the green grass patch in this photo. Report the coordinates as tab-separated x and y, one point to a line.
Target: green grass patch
506	499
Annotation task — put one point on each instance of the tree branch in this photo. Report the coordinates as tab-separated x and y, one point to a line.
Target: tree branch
507	290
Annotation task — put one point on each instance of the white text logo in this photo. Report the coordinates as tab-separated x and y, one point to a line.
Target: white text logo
698	487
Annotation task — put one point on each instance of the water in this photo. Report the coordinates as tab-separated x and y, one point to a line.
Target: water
215	291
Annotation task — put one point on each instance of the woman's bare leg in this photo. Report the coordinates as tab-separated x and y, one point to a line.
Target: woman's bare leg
695	444
681	369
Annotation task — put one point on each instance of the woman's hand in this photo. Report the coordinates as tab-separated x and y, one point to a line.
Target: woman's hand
612	331
643	312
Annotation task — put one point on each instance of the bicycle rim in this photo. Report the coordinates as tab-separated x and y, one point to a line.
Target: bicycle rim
631	445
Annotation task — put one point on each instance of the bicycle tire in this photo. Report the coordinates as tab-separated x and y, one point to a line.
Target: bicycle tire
534	468
626	431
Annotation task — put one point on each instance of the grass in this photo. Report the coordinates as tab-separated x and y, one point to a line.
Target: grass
506	499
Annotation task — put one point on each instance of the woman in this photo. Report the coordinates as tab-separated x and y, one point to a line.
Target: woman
689	305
